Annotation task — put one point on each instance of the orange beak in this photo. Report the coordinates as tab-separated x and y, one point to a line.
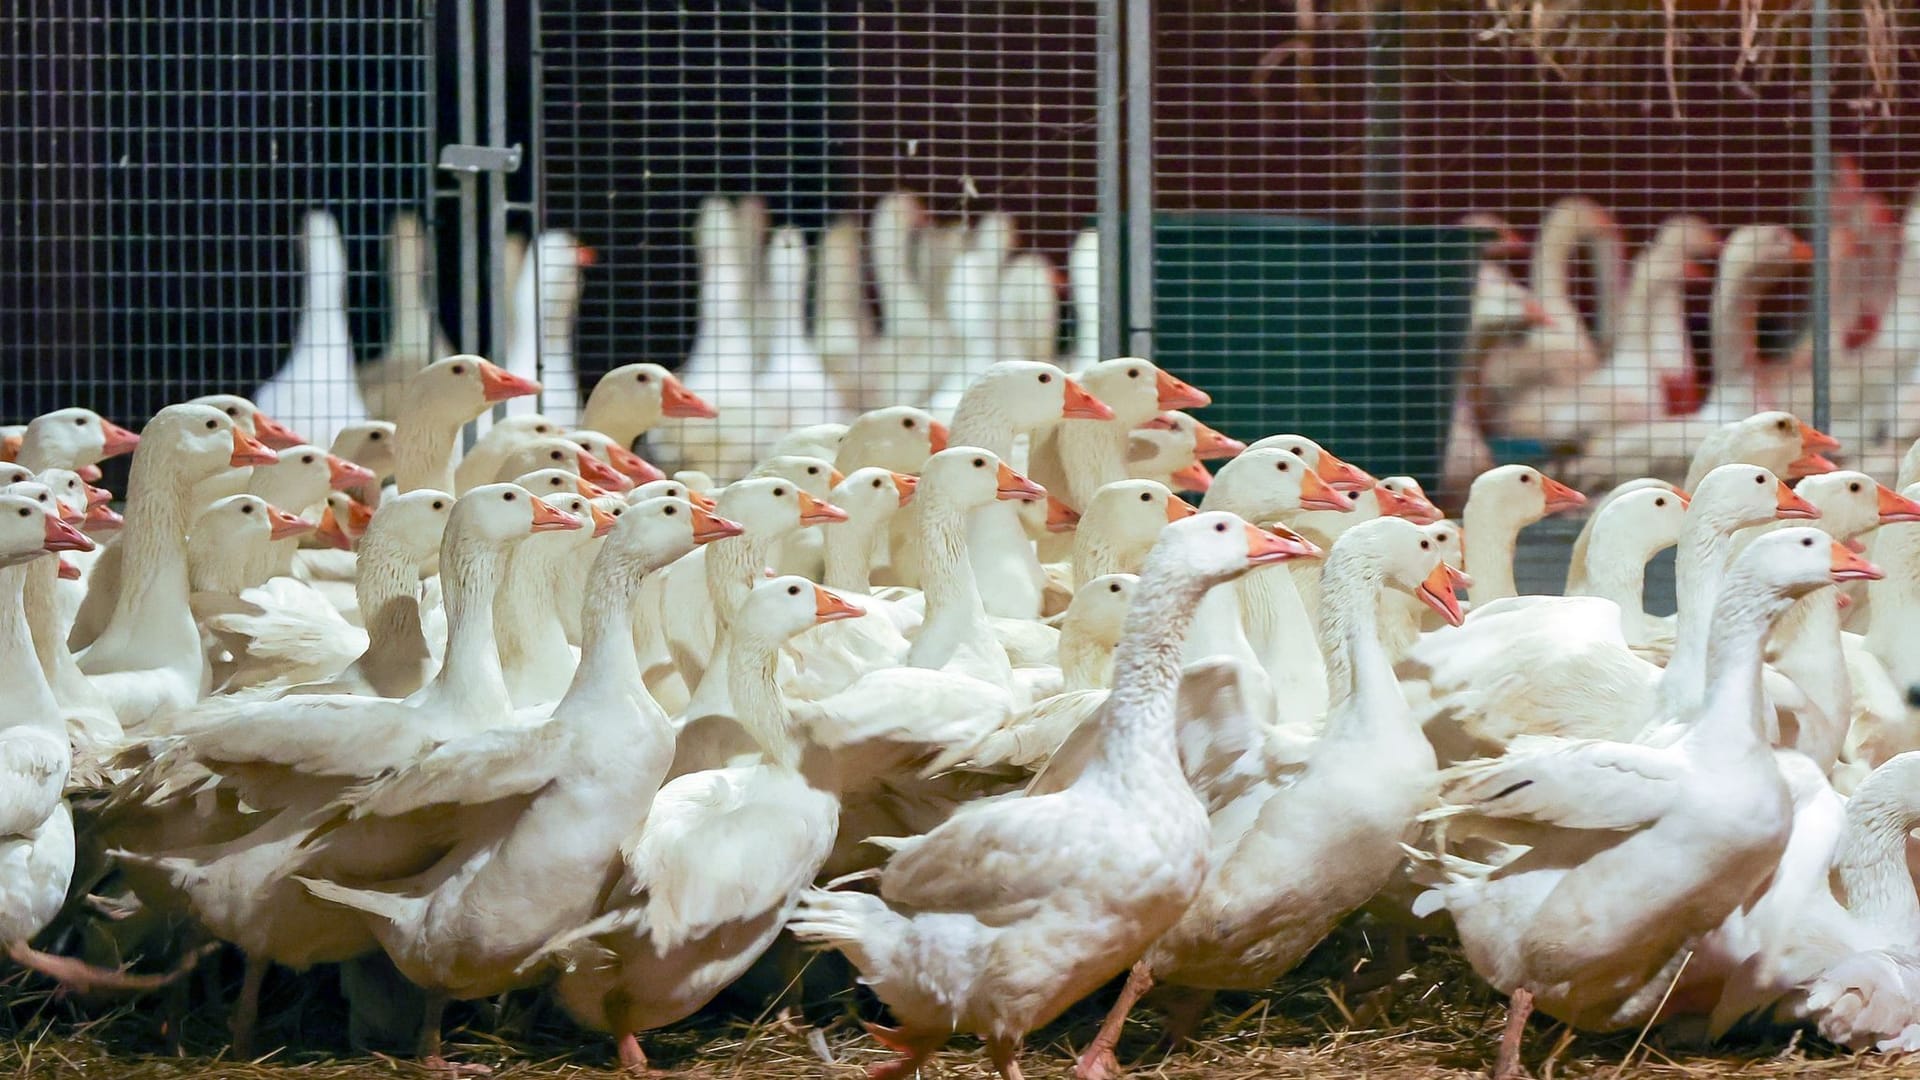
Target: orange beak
1814	441
1560	496
906	485
1896	507
98	496
70	572
592	468
1802	252
248	450
331	532
1686	500
1507	244
499	384
1536	314
708	526
1081	405
835	477
274	433
830	607
1194	477
816	512
1848	566
359	516
1864	329
1176	394
1342	476
64	537
89	473
343	474
1266	547
701	501
681	403
1789	504
1178	508
590	489
633	466
10	446
1317	494
1061	517
1018	488
68	514
937	435
1163	422
101	518
283	525
1412	508
1438	592
548	519
119	439
1810	465
603	522
585	256
1694	271
1210	445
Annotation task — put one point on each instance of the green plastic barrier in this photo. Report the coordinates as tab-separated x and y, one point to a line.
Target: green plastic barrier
1348	334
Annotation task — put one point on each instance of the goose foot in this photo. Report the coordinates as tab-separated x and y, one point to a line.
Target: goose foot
1005	1054
633	1060
453	1069
914	1050
1519	1007
1097	1061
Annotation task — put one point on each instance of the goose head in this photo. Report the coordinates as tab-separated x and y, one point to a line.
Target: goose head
899	437
1403	497
1795	561
345	519
81	501
558	452
450	392
74	438
655	531
771	506
499	514
46	497
368	443
1029	395
815	440
555	482
1739	496
624	461
669	489
1216	546
965	478
1851	503
199	441
1272	482
1135	389
1518	496
1408	557
30	529
598	522
1641	522
251	420
303	476
1339	474
646	392
1777	440
1099	610
780	608
515	432
815	476
1129	514
12	472
413	524
874	494
246	520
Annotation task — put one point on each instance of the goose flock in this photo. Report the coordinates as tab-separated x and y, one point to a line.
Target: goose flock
967	694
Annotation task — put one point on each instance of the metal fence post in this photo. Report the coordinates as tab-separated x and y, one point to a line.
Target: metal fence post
1110	164
1139	64
1822	89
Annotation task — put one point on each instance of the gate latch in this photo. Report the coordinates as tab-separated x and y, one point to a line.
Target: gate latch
461	157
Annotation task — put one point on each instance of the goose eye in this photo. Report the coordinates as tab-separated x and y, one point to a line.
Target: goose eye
306	459
671	510
1296	452
376	436
617	511
979	463
1759	479
459	369
233	412
1146	496
507	495
1854	487
211	424
1659	502
555	456
1283	466
1046	378
1221	527
1781	424
1808	542
439	505
1426	545
779	492
246	508
907	423
24	512
1526	478
813	470
1441	538
79	421
1115	587
793	590
641	378
1133	373
876	485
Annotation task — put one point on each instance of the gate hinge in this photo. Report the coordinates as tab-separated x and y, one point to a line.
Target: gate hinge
461	157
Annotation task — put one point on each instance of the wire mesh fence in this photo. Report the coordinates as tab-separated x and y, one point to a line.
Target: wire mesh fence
160	173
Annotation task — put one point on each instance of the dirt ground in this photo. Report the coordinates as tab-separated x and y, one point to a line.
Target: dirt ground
1436	1023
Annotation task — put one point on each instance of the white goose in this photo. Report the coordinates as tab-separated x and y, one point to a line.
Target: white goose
316	388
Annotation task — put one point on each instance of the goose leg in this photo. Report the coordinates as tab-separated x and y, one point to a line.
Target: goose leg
1519	1007
1006	1057
1097	1061
914	1050
246	1011
429	1049
633	1060
76	976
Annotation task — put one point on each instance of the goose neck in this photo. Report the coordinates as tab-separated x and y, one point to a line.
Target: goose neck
1728	717
979	421
752	679
1357	664
33	704
423	453
1096	554
733	566
1616	573
849	554
1093	453
1697	570
470	676
1735	322
153	585
1490	535
955	612
608	658
1138	721
1871	862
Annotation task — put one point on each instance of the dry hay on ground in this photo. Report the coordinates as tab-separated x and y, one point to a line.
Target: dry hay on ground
1438	1023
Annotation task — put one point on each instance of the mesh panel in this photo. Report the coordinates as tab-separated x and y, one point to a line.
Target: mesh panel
157	180
803	120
